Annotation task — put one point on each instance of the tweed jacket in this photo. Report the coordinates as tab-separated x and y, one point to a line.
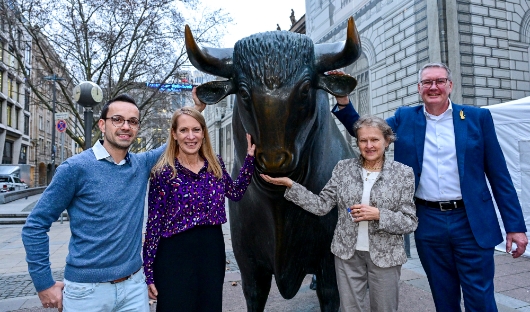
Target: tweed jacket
392	193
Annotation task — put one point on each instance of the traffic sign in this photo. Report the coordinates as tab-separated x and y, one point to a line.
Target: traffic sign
63	116
61	125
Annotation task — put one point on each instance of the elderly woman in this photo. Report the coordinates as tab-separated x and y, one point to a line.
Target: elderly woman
184	251
368	241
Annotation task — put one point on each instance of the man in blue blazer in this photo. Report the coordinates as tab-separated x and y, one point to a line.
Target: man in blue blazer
452	149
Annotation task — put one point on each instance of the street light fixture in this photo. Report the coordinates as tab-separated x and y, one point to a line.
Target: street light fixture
88	95
53	78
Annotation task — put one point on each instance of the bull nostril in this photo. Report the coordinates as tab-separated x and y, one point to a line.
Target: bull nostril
272	160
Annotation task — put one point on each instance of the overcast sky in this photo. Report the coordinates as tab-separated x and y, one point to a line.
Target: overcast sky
251	16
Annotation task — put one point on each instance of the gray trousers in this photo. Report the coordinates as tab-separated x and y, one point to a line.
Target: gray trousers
356	274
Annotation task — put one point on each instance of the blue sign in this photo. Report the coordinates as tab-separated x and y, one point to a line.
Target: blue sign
61	125
170	87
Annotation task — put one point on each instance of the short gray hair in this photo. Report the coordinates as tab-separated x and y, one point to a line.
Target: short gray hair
375	122
435	65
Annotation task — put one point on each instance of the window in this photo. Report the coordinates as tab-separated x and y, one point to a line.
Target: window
26	124
28	54
17	118
10	87
48	128
41	146
12	59
7	158
26	99
9	115
41	123
23	155
1	50
16	87
19	38
1	80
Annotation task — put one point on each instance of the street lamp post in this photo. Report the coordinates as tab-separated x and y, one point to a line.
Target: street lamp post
53	78
88	95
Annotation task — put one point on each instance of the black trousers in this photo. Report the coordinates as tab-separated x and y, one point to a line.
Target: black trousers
189	270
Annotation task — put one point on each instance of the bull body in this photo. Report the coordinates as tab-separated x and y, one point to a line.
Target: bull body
278	81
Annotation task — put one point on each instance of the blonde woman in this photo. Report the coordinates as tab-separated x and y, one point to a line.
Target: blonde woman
184	252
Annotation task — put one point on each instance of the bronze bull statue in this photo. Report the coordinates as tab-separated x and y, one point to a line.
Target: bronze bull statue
281	100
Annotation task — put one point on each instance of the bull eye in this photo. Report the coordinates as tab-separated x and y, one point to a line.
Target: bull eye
244	94
304	89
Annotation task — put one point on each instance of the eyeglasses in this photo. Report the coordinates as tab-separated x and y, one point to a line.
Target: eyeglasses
440	82
119	121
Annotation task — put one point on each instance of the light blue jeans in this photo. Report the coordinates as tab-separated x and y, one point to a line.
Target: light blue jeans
129	295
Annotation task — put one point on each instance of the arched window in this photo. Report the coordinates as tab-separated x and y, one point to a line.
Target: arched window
525	28
360	97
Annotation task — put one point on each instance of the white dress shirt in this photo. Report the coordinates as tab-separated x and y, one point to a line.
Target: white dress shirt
101	153
439	180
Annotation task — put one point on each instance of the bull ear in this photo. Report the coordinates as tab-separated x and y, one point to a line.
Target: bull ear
214	91
338	85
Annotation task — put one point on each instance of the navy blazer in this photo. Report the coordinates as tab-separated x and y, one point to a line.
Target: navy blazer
478	154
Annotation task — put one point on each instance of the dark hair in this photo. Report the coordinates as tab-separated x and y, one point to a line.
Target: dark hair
120	98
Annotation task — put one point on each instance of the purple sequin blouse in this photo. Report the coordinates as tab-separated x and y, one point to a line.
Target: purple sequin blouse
190	199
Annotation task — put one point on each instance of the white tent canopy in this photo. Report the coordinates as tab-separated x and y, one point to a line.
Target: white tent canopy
512	124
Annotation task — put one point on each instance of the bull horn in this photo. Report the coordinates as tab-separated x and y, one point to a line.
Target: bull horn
329	56
215	61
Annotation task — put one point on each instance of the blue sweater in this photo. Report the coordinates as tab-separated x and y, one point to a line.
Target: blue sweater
105	203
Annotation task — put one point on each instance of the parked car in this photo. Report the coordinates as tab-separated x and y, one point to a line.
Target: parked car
10	183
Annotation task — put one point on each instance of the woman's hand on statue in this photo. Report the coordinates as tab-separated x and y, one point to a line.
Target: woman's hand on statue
362	212
151	291
250	147
200	106
277	181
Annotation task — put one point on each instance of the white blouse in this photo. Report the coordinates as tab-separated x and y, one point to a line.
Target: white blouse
362	235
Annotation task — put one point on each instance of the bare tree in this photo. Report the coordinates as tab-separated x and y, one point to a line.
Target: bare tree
118	44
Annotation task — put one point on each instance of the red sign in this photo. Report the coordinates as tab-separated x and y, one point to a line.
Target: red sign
61	125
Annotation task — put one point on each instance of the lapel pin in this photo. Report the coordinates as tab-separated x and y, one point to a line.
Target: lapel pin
462	116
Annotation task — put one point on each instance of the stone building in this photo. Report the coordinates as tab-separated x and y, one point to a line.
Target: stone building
484	42
14	106
42	123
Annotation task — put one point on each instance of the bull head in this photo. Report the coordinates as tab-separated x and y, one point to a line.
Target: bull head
328	56
275	76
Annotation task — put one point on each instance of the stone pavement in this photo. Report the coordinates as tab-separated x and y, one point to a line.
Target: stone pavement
512	281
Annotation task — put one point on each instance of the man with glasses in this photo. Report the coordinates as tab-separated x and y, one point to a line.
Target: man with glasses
103	190
452	149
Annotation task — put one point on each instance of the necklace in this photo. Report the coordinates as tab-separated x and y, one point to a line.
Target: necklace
372	168
377	167
367	175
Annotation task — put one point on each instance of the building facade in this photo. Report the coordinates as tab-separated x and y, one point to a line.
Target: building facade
14	106
485	43
45	77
